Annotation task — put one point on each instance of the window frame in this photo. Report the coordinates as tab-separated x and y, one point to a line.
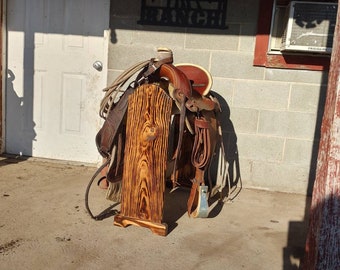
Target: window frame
286	61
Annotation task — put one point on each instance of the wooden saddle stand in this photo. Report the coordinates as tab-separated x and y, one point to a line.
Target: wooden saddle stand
164	105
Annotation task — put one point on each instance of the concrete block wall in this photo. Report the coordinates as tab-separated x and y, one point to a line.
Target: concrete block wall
274	114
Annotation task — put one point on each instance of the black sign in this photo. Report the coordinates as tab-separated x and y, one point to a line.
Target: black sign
184	13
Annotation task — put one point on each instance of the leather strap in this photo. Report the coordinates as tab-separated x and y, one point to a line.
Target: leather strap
177	154
155	64
115	170
180	92
107	134
201	151
200	158
196	182
198	103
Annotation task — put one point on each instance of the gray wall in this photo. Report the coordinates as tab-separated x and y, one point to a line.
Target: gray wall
273	115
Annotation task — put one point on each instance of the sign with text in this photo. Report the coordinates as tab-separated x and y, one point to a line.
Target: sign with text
184	13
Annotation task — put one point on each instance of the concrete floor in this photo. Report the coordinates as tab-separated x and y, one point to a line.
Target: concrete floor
44	225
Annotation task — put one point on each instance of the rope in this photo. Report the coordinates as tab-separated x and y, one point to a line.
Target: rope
112	91
107	212
147	68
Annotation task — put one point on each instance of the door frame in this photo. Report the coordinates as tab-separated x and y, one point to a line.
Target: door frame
3	65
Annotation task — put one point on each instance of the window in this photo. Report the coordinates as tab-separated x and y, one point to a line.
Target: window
268	41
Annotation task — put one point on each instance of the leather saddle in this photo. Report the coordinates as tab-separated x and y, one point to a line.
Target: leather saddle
189	87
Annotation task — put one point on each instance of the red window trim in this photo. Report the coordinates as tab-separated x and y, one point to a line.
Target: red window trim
263	58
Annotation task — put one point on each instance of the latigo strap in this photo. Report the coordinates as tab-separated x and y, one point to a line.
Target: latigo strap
204	145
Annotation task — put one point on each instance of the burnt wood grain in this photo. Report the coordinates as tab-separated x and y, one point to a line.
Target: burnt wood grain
143	185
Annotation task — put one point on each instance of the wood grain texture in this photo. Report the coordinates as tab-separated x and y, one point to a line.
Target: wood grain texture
323	239
147	131
157	228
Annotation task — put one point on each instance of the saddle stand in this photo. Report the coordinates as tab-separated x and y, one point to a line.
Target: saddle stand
135	135
143	184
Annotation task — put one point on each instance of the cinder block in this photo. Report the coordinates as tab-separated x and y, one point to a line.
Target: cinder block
197	57
247	37
244	120
242	11
298	152
214	39
287	124
261	94
280	177
122	30
150	36
112	75
269	113
239	65
258	147
223	90
292	75
122	57
246	171
306	97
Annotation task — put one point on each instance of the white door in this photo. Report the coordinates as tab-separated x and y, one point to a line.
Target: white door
53	91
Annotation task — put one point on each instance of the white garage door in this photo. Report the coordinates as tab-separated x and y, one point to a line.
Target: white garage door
53	91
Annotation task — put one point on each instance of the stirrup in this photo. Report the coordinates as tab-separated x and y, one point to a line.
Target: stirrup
202	209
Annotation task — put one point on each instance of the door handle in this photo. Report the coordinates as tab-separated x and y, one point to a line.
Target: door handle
98	65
